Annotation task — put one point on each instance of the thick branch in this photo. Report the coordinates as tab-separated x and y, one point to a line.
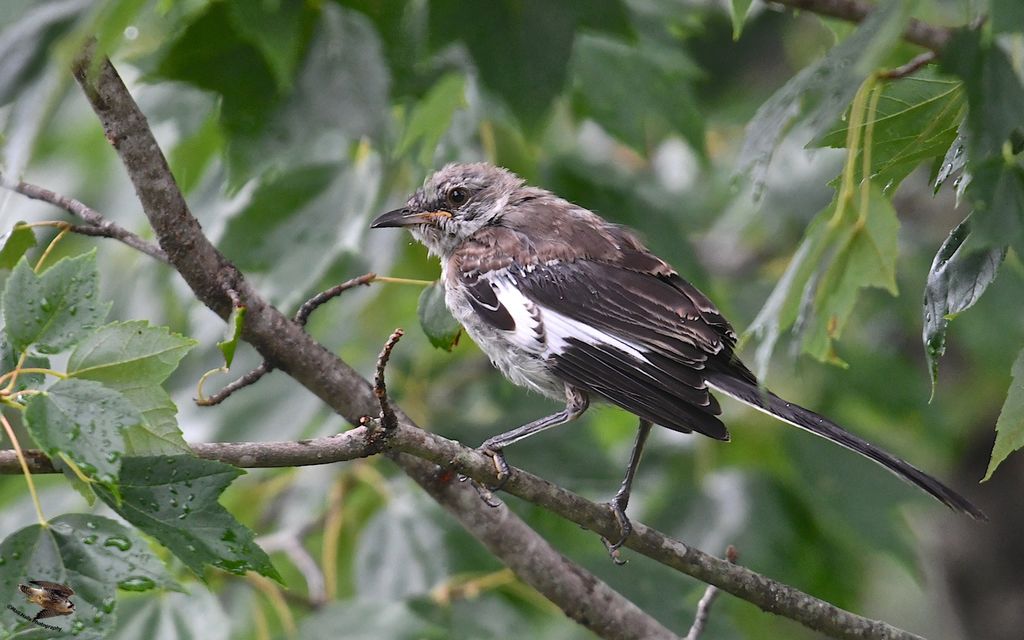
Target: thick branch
286	346
917	32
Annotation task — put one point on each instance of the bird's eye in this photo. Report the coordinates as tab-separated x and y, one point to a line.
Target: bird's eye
457	196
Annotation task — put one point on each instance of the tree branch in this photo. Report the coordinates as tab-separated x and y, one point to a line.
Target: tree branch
97	224
286	346
917	32
453	458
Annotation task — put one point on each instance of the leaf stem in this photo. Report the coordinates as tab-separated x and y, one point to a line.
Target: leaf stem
13	375
49	248
75	468
869	136
14	379
24	469
419	283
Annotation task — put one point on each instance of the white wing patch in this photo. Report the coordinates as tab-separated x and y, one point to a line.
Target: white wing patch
546	332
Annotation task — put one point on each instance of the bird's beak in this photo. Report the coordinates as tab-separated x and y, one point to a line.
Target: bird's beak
406	217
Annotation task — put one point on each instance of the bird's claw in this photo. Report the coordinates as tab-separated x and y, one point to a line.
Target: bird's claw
625	529
501	470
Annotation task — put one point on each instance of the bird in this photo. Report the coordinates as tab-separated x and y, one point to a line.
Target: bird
577	308
53	597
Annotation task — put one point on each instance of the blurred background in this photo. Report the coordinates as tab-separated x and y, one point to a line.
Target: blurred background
289	125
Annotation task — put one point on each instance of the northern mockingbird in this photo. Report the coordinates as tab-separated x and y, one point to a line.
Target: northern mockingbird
574	307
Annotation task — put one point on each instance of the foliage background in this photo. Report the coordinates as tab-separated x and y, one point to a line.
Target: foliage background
290	124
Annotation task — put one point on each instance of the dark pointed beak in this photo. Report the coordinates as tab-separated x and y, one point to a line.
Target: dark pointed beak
406	217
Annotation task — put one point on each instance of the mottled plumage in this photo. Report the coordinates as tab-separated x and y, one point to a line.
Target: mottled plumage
570	305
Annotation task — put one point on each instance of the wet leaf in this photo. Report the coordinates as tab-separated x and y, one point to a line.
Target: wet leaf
958	276
85	421
91	554
135	358
53	311
174	499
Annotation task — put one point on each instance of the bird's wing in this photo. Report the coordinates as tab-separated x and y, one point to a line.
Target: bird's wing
55	587
47	613
638	339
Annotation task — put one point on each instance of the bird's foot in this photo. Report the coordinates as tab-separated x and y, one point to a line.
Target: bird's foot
618	508
501	470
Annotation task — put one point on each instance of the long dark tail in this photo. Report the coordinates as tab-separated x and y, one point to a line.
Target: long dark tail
766	401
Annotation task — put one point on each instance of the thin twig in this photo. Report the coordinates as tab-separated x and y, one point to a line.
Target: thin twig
700	620
917	32
302	315
244	381
911	67
97	224
388	420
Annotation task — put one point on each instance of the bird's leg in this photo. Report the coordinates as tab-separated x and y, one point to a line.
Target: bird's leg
576	402
619	503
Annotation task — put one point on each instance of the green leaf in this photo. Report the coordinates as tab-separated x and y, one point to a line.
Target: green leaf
1006	16
916	119
14	244
211	54
174	499
84	420
126	354
340	95
431	118
235	324
437	322
276	30
55	310
837	258
994	91
864	256
651	94
91	554
135	359
159	434
1010	426
958	276
997	192
258	236
521	47
822	91
738	10
954	161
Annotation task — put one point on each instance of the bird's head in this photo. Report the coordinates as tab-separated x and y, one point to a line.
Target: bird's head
453	204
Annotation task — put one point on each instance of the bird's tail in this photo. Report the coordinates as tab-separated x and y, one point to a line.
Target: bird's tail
766	401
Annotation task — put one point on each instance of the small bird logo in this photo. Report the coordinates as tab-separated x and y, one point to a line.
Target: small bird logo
53	597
